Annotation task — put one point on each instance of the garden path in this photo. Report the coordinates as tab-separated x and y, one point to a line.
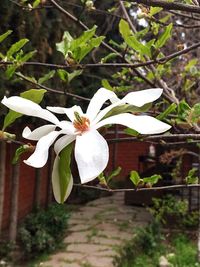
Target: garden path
95	232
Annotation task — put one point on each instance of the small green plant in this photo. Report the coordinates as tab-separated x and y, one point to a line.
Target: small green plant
185	252
170	209
43	230
146	240
146	248
6	248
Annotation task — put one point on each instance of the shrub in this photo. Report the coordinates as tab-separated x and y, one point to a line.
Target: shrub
43	230
146	240
174	212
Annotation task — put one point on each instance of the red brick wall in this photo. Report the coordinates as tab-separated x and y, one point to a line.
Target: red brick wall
26	187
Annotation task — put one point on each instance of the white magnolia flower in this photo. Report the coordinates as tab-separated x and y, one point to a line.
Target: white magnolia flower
91	149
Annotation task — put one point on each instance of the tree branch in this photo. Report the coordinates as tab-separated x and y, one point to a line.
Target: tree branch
169	5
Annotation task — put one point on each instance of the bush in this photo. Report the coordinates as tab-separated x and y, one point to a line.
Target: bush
146	248
174	212
145	241
43	230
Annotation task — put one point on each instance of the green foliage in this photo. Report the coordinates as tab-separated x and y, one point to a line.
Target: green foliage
5	249
22	149
185	252
46	77
43	230
173	211
164	36
148	181
106	179
146	240
132	41
192	177
68	77
35	95
5	35
180	251
166	112
64	171
74	50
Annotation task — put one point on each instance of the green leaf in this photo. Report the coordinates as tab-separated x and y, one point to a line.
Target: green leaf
36	3
82	51
105	83
192	177
131	132
108	57
154	10
152	179
114	173
195	113
131	40
128	108
76	49
27	56
168	111
35	95
5	35
64	171
164	36
64	45
47	77
22	149
135	178
10	71
16	47
68	77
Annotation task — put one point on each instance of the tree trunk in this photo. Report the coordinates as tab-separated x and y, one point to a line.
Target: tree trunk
2	179
37	188
14	202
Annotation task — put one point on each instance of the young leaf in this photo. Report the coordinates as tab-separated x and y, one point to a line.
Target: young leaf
166	112
5	35
16	47
46	77
62	180
114	173
135	178
22	149
152	179
154	10
132	40
68	77
36	95
164	36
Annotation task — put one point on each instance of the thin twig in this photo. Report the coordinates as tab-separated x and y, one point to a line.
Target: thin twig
167	187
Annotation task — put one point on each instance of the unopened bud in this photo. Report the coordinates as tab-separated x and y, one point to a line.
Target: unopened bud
7	136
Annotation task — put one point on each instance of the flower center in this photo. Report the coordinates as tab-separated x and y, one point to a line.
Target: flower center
81	124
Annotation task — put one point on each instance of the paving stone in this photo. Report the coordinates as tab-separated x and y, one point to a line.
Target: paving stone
86	248
100	262
96	230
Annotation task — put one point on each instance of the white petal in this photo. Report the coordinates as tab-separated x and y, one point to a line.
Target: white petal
63	142
91	154
142	97
28	107
38	132
67	126
97	101
56	182
68	111
104	111
143	124
39	158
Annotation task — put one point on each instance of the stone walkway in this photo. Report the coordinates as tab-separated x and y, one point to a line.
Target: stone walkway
96	230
